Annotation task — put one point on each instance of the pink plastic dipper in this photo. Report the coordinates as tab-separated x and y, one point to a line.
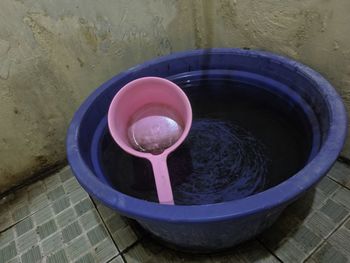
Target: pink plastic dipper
149	118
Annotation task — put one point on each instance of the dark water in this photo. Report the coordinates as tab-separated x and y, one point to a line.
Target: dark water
243	140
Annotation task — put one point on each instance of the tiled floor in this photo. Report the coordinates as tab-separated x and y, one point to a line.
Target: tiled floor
54	220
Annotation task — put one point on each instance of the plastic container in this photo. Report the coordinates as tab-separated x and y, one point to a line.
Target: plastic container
311	101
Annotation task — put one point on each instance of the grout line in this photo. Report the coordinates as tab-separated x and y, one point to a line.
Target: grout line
7	228
344	160
112	258
268	249
315	249
339	226
327	237
115	258
19	221
122	255
344	186
138	241
22	219
104	223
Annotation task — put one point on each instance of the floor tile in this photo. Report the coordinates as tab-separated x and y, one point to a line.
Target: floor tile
58	257
116	222
71	185
87	258
24	226
43	215
56	193
122	233
78	195
20	212
77	248
340	240
347	224
105	250
52	244
36	189
66	217
118	259
5	218
30	199
105	212
32	255
39	202
61	204
142	252
97	234
125	237
8	252
334	211
6	237
26	241
306	240
60	230
19	199
65	174
327	253
71	231
84	206
320	224
342	196
327	186
89	219
303	226
288	251
15	260
340	173
46	229
52	182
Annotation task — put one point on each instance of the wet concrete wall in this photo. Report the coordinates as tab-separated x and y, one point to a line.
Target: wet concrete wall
54	53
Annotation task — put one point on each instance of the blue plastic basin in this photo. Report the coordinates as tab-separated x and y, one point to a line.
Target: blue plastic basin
311	102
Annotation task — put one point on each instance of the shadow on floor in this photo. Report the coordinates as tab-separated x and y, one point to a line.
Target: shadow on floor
288	223
254	250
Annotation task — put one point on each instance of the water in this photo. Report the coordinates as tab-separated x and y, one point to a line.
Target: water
243	140
227	161
153	129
